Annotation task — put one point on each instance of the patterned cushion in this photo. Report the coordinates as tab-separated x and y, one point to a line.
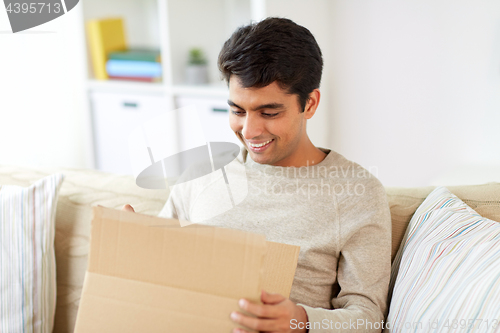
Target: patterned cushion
448	274
27	258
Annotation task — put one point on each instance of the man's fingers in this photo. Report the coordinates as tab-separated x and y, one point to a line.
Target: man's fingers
255	324
268	298
128	208
260	310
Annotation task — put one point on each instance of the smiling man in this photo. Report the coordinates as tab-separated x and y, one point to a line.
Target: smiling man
298	193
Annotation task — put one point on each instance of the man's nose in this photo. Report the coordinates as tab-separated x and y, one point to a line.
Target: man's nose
252	127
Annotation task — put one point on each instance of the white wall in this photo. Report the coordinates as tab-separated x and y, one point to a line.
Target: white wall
42	94
416	88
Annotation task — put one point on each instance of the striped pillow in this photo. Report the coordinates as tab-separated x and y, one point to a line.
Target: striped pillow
27	259
449	270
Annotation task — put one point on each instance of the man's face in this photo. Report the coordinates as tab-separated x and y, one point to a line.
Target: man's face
268	117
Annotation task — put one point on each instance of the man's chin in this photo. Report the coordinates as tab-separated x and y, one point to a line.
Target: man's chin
258	158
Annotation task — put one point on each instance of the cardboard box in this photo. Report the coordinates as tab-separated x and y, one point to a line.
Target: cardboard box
148	274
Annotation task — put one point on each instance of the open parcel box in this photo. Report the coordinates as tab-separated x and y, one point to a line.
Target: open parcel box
148	274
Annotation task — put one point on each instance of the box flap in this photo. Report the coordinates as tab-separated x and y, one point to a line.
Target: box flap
280	263
113	304
201	258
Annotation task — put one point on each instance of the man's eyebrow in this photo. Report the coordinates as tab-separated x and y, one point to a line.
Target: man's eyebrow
260	107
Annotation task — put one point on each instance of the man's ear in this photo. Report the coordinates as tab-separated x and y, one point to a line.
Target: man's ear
312	104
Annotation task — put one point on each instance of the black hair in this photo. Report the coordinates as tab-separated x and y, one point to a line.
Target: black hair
274	49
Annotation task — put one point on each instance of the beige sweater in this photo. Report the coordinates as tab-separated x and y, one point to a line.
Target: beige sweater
335	211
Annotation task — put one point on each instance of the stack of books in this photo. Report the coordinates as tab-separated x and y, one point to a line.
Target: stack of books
135	64
113	59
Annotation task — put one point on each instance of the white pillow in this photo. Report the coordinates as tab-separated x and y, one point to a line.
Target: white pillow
449	270
27	258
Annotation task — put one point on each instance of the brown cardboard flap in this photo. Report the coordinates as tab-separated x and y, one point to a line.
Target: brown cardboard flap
206	259
280	263
113	304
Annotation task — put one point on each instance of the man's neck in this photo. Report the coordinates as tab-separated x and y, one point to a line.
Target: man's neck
312	156
306	155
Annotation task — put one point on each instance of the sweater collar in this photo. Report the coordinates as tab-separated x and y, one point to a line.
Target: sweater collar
318	170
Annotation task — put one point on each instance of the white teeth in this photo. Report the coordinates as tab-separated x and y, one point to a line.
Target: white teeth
260	144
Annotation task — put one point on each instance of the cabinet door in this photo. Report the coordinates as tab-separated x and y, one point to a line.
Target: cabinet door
213	114
131	131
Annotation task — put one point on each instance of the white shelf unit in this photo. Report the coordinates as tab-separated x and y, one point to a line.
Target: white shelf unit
174	27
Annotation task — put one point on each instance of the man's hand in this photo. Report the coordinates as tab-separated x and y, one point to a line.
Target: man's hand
128	208
273	316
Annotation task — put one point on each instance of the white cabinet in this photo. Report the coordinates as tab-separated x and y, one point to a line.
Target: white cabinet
117	117
213	116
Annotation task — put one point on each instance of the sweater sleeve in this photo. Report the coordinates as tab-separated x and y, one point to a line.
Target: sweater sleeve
181	194
364	266
177	203
168	211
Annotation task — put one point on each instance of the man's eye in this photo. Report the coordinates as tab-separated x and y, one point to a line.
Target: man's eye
270	114
238	113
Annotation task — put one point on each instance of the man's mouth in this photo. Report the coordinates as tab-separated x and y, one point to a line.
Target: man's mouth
257	145
260	146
